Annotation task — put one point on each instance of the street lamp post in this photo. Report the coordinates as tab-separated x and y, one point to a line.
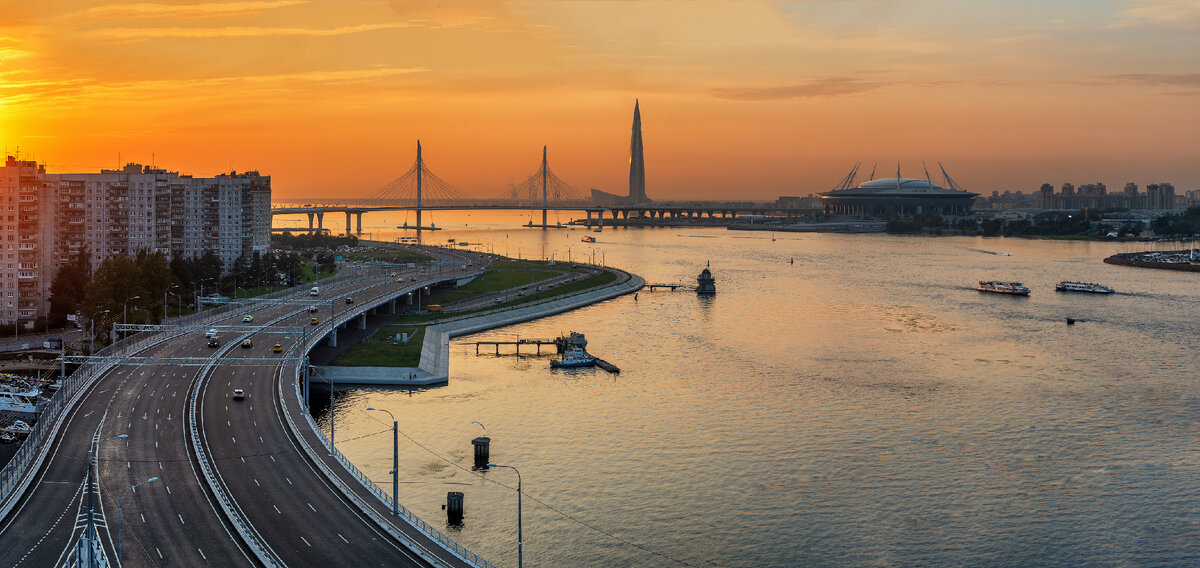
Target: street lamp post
85	550
520	541
395	461
92	333
125	310
120	516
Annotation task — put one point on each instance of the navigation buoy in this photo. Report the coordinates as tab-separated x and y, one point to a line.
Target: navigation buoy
454	507
1070	321
482	451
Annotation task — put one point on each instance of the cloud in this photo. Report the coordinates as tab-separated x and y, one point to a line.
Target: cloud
1157	79
8	54
820	88
1168	14
241	31
151	10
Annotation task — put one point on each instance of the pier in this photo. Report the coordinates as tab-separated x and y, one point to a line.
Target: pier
559	344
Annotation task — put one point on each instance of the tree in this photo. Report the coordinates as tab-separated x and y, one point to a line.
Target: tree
67	291
155	279
114	282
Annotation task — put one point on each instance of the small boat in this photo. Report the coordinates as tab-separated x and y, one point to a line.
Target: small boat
1000	287
19	427
588	239
1068	286
7	437
574	356
706	285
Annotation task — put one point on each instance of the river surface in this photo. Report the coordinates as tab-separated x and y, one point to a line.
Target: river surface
844	400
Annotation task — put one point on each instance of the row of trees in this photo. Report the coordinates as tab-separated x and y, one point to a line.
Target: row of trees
1184	224
144	287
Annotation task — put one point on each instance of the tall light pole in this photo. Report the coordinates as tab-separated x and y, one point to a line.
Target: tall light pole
92	333
395	461
125	310
88	546
120	517
520	542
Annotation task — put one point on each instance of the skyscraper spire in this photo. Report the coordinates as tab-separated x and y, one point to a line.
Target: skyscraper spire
637	165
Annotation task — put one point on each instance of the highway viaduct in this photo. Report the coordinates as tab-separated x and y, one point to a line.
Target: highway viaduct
240	483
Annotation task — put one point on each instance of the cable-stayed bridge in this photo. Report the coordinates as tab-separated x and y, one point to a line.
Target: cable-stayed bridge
420	190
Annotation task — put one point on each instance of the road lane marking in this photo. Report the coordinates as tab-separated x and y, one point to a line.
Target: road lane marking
143	517
343	538
257	483
201	554
234	439
310	506
289	480
180	518
260	440
305	540
158	551
276	509
168	488
272	459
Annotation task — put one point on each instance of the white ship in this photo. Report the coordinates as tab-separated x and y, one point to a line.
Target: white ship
1068	286
999	287
19	398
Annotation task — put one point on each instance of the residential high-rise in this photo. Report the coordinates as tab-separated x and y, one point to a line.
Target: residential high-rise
52	217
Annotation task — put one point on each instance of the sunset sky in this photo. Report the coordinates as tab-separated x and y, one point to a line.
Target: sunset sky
739	99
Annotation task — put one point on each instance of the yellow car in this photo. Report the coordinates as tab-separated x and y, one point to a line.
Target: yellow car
278	348
313	321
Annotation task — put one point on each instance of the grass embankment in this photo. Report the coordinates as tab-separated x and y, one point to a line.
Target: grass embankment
379	350
387	255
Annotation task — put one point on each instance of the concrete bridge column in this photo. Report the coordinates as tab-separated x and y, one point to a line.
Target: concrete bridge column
358	226
320	219
614	214
333	338
392	307
347	223
362	321
625	215
409	299
588	223
310	222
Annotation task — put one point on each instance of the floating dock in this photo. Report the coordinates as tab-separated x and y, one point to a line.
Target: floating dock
607	366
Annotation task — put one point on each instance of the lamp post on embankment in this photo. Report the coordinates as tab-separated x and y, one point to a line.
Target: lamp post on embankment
520	541
395	461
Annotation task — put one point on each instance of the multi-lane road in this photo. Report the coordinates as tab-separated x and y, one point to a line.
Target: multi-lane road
283	499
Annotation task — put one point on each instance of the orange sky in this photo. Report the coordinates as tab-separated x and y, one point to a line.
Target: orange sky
740	99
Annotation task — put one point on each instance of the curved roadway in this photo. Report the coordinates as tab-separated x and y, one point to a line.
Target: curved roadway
292	506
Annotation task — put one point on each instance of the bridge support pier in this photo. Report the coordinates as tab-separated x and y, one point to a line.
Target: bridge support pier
392	307
320	219
362	321
333	337
347	223
358	225
310	223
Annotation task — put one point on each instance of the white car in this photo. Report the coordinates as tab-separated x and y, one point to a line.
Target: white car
210	334
247	318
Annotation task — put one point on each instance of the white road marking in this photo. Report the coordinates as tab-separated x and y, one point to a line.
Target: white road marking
168	488
180	518
260	440
243	460
343	538
201	554
257	483
305	541
234	439
272	458
143	517
310	506
289	480
276	509
158	551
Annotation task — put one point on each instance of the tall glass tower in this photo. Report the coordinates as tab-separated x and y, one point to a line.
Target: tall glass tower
637	165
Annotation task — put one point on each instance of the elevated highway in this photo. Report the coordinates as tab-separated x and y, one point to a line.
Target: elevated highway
240	483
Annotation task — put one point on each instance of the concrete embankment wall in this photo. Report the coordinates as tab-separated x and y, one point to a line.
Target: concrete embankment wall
435	351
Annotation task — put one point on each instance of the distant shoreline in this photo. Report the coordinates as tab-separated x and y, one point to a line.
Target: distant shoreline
1119	260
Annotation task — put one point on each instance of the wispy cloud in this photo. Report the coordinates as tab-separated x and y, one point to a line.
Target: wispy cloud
1157	79
820	88
8	53
241	31
152	10
1169	14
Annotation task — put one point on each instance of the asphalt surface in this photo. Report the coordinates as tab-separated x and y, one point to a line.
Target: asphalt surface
291	505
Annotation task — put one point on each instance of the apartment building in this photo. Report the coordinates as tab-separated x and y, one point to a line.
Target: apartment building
46	219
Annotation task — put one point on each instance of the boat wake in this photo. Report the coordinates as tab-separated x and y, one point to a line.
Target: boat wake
991	252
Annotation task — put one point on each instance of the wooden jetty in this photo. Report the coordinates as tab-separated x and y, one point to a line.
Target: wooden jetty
607	366
673	287
559	344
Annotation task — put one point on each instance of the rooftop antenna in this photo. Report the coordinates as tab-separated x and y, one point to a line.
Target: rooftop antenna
926	172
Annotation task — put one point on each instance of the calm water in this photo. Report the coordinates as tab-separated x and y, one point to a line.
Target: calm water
864	406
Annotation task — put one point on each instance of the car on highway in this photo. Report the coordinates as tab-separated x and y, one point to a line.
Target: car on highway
313	321
278	348
210	333
238	394
349	300
247	317
313	309
214	341
246	343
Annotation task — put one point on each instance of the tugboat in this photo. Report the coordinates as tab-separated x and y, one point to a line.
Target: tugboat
706	285
999	287
1068	286
588	239
574	353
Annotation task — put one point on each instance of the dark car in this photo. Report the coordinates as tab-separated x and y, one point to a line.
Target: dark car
238	394
349	300
214	342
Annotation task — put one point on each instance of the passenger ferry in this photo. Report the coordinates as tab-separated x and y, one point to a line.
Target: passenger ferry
1068	286
1013	288
588	239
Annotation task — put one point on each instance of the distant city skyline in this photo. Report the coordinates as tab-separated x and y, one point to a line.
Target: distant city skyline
748	100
